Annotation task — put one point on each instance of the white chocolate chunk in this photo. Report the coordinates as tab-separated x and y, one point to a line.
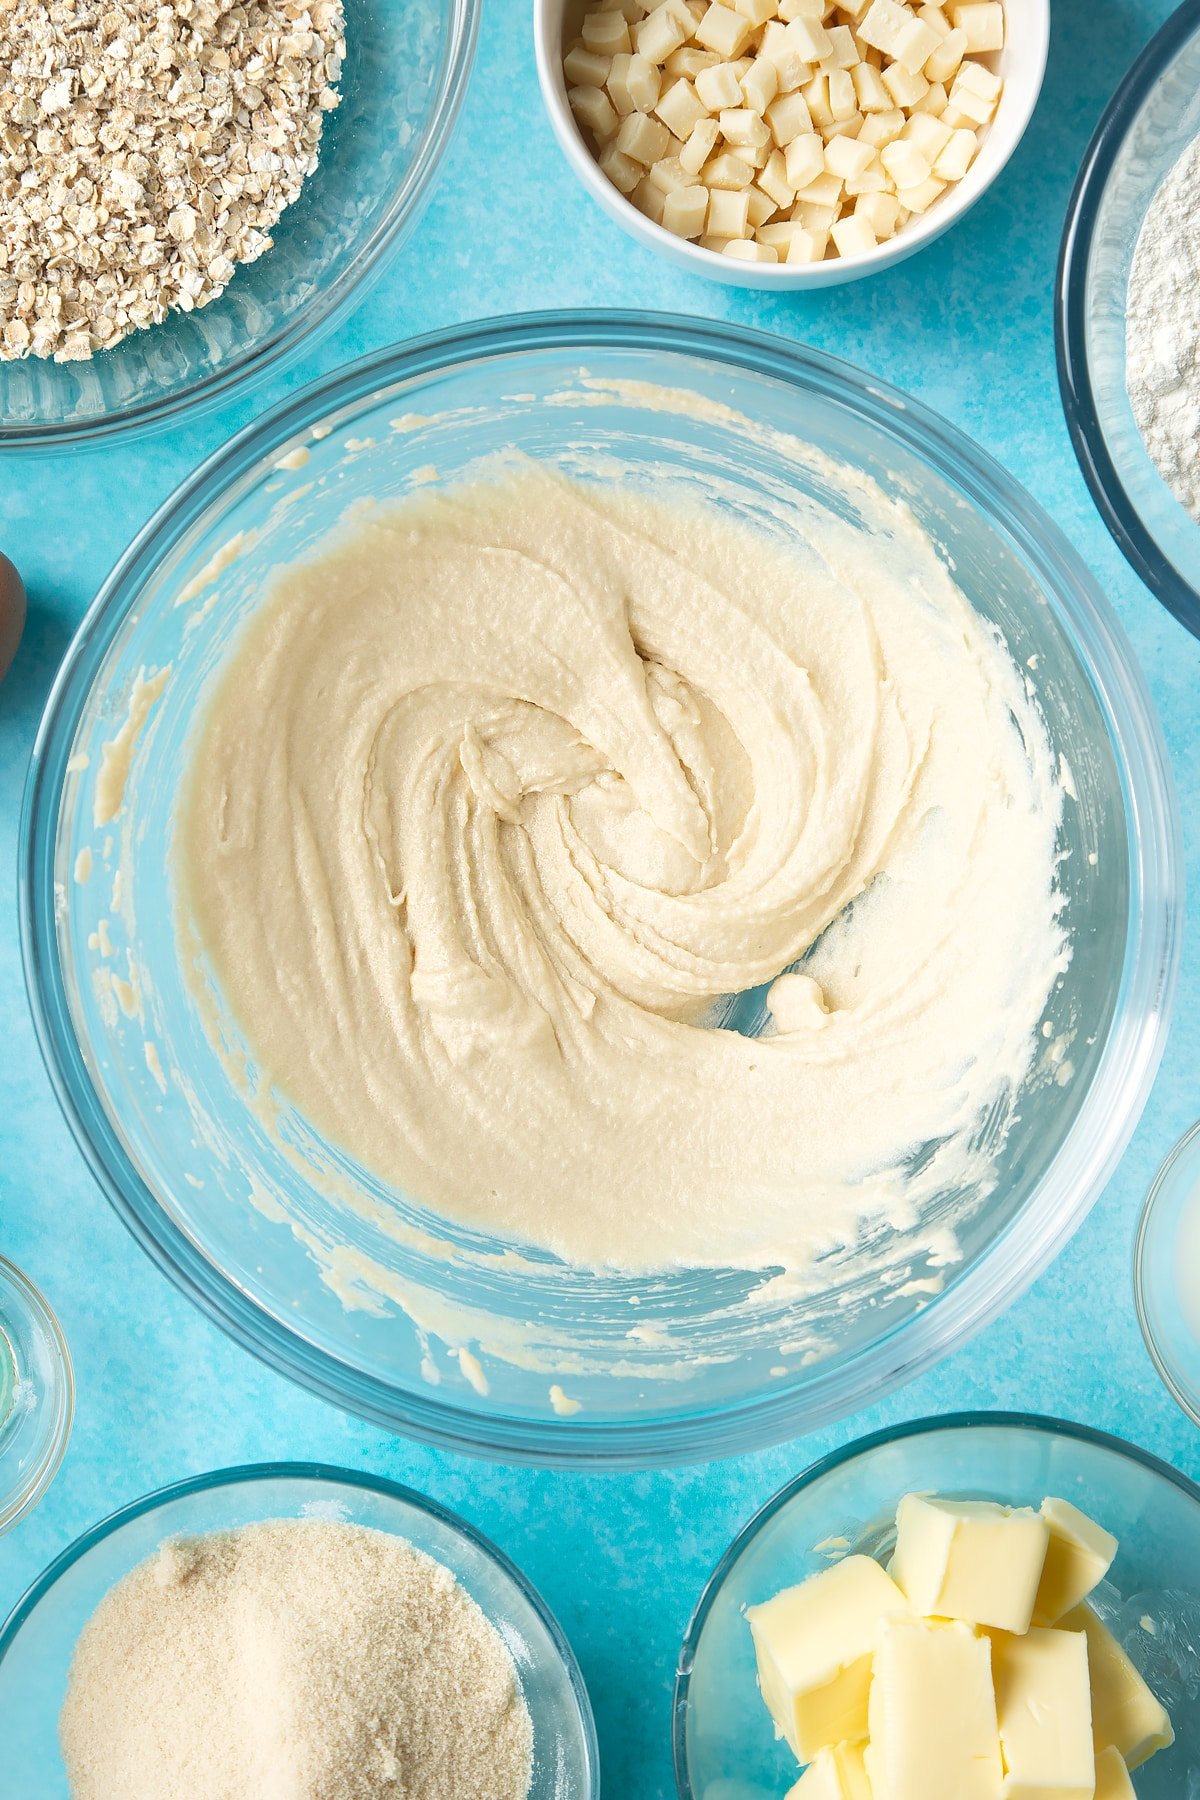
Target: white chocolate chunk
915	45
719	87
739	125
660	33
760	84
773	180
932	1715
967	1559
908	168
723	30
792	66
688	61
593	109
853	235
882	212
843	51
869	90
825	190
846	156
810	38
681	109
649	200
933	101
583	68
727	171
814	1644
685	211
789	118
882	128
1125	1714
907	90
1112	1777
620	169
669	175
606	33
983	22
843	102
1044	1711
643	138
942	64
700	146
757	11
953	162
728	214
928	134
920	198
884	25
1079	1554
748	250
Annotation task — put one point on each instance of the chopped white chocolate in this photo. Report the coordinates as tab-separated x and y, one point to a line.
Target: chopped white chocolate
846	156
853	235
593	108
700	145
723	30
760	84
685	211
943	63
606	33
583	68
983	22
789	118
659	33
749	250
953	162
643	138
680	108
728	214
813	114
621	170
804	160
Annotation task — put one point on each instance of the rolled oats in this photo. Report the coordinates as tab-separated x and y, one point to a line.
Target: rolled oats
146	149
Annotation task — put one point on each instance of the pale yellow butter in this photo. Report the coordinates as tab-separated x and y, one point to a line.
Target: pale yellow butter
839	1773
1044	1711
1125	1714
970	1559
1079	1554
1112	1777
932	1715
814	1645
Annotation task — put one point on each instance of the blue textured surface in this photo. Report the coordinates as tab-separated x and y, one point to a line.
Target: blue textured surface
966	326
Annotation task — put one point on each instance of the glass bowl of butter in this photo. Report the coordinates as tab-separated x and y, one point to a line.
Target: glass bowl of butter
1081	1573
536	1111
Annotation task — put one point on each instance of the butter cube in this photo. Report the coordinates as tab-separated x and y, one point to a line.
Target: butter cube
836	1774
1112	1777
814	1645
1044	1709
1125	1714
932	1714
969	1559
1079	1554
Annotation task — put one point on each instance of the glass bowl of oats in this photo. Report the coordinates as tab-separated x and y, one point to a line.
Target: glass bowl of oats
188	194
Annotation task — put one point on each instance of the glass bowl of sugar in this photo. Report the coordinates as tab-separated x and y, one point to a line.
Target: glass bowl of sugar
272	1601
1127	316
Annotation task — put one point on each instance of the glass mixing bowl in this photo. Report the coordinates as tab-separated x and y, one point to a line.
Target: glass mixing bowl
653	1370
406	70
725	1748
37	1642
1166	1273
1150	121
37	1395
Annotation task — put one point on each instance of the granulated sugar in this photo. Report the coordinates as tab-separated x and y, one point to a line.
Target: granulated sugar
1162	352
293	1660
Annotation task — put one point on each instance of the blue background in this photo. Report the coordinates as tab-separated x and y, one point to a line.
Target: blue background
966	326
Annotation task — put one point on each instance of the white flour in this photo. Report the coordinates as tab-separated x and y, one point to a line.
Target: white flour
1162	350
293	1660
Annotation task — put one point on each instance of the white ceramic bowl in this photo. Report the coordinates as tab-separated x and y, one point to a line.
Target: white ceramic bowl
1022	63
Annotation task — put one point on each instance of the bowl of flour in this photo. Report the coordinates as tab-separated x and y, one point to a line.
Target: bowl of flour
1128	316
290	1629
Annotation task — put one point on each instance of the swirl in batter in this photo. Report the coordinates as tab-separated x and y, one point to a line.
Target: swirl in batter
497	797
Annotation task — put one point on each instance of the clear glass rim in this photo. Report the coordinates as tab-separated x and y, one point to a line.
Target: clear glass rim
1038	1423
1122	518
319	316
1162	1367
61	1395
250	1474
1107	1116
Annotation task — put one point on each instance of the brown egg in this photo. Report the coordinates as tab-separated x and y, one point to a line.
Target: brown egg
12	613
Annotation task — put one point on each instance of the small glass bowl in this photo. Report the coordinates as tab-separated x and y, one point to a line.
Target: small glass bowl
406	70
37	1395
1166	1273
1151	119
725	1748
38	1640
